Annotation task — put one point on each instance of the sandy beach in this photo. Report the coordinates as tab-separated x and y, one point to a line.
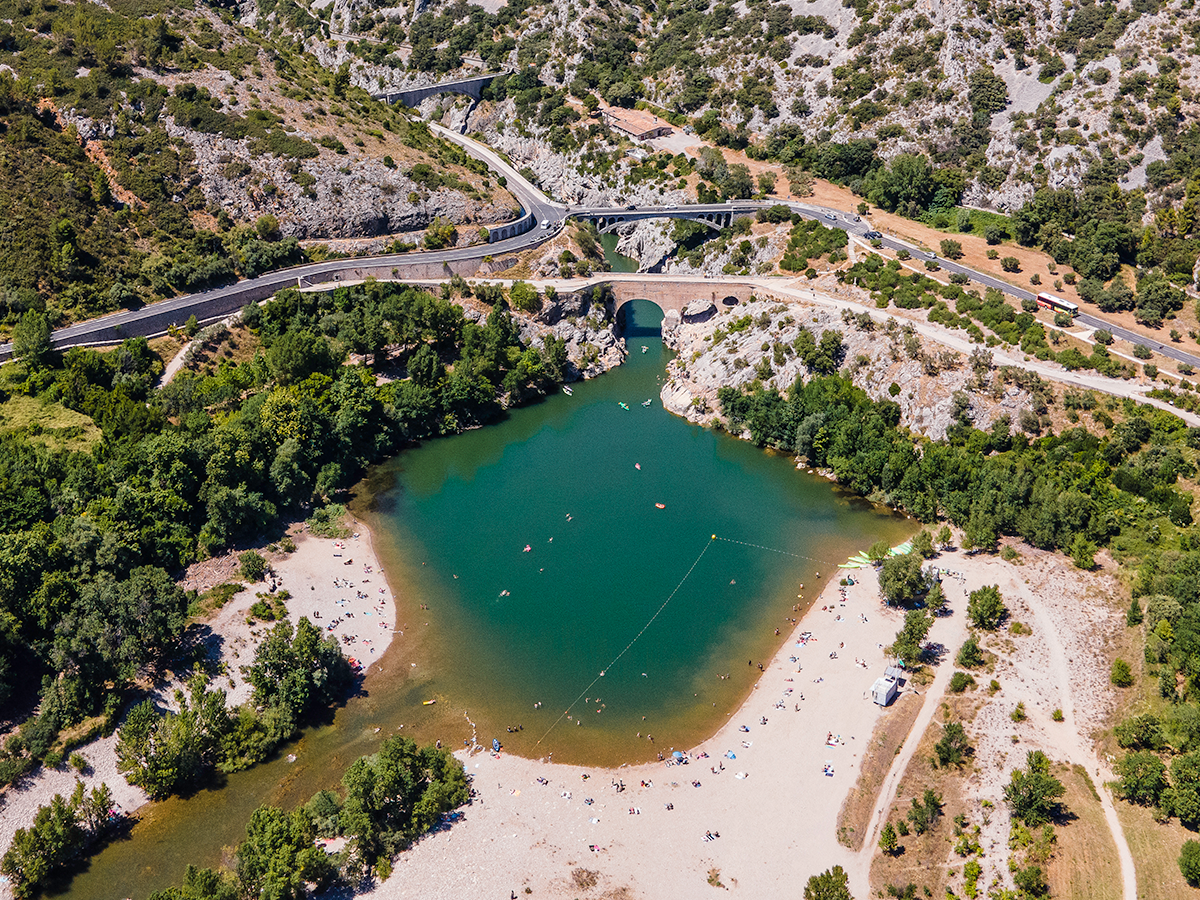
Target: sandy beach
340	586
755	807
758	801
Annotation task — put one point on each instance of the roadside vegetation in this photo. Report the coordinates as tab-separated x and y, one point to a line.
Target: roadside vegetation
89	540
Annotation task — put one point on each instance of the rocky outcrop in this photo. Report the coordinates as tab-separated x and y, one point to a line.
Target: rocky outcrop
367	198
756	341
648	241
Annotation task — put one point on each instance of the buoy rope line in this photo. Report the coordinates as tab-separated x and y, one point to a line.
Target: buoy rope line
670	597
617	658
773	550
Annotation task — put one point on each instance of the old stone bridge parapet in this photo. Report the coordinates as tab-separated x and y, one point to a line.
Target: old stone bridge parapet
671	296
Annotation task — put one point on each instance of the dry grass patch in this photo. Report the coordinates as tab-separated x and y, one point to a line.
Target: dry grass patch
1155	848
48	423
1085	864
886	740
237	345
924	859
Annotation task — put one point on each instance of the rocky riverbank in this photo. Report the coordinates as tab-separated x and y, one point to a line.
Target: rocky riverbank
761	342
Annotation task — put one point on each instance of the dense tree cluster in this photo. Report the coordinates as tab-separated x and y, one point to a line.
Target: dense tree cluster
296	678
387	801
60	834
88	539
1046	491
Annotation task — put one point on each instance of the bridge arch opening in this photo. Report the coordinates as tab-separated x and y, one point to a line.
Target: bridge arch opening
639	319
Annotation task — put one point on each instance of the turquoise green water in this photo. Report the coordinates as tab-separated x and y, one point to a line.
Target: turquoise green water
468	506
616	262
513	627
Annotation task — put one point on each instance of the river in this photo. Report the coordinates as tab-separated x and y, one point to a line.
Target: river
661	558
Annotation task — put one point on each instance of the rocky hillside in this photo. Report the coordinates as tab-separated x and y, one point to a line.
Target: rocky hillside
1077	120
770	344
156	148
1009	92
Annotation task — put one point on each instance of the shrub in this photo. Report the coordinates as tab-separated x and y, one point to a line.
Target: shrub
1189	862
993	254
1141	351
253	565
969	655
951	249
1057	715
327	522
1019	714
960	681
1010	264
1122	675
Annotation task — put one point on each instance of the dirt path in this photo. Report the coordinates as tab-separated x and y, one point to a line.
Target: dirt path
1116	387
1076	749
951	634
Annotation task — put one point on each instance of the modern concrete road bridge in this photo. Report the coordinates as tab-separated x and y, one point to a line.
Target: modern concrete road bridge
471	87
715	215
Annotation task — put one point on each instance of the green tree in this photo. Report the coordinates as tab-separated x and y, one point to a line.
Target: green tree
986	92
1141	778
1121	675
832	884
935	600
299	671
953	748
901	578
1032	794
341	80
907	646
969	655
1083	553
278	858
1189	862
888	842
1010	264
922	543
1133	617
924	812
201	884
38	852
31	339
952	249
524	297
944	537
985	608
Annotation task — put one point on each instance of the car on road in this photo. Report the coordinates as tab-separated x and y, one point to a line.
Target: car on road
929	254
831	217
631	206
872	235
545	224
858	218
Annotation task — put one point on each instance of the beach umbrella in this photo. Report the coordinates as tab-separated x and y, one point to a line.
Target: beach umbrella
677	755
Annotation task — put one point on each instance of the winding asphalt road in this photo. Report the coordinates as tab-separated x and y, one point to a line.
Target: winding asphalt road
543	219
